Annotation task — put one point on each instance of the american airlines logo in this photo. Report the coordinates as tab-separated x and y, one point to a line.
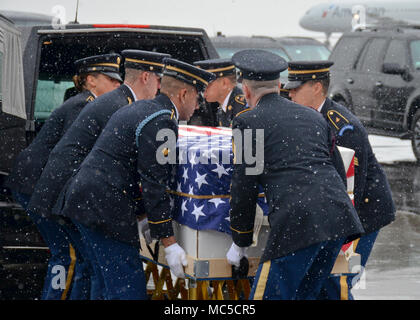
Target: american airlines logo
340	12
325	13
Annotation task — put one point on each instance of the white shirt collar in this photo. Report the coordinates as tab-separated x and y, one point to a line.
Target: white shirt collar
132	92
224	105
322	104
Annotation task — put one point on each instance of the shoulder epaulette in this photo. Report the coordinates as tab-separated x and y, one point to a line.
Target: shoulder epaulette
339	122
90	98
243	111
240	98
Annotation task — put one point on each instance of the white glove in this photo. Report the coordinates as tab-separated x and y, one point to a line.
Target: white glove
176	258
235	254
143	226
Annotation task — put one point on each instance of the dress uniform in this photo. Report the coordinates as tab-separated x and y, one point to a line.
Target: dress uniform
100	198
29	167
234	102
69	153
235	105
310	213
372	193
71	150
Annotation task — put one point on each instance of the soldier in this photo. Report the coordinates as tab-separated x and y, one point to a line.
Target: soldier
99	199
223	90
308	84
310	212
142	80
31	161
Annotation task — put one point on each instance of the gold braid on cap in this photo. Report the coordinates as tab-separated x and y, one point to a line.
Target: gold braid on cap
307	71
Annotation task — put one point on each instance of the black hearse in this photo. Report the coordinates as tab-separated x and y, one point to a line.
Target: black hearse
37	63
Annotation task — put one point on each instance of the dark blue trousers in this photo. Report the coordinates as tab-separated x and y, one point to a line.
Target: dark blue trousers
66	274
98	283
339	287
297	276
85	275
119	264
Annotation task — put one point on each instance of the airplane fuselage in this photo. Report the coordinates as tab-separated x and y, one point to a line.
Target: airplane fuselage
343	16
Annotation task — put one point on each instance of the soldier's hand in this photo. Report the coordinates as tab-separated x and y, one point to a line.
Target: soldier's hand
235	254
177	259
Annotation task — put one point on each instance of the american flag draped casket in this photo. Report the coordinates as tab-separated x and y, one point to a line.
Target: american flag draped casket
202	186
200	192
201	189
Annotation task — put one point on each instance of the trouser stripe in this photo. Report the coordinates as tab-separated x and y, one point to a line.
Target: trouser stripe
262	281
70	272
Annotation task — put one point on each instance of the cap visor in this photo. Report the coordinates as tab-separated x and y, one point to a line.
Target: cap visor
113	75
292	85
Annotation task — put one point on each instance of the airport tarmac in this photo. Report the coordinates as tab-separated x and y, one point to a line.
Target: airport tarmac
393	269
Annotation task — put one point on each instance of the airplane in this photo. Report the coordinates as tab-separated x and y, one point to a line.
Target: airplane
343	16
27	18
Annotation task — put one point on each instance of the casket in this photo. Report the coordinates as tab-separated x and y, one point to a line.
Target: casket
200	199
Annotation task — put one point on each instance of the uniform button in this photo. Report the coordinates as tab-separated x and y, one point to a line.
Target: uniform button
367	200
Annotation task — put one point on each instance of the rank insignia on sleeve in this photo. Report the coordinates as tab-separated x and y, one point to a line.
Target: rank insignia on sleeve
356	161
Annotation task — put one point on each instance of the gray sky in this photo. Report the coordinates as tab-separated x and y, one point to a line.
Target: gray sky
232	17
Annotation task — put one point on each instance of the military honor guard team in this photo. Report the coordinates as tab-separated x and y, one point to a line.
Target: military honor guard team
79	178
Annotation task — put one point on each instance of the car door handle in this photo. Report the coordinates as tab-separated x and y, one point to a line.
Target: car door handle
378	84
350	80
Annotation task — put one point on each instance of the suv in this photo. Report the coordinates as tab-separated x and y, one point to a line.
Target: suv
40	82
376	75
289	48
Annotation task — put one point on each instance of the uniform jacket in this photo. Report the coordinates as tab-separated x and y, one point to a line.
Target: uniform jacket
74	146
236	104
372	193
101	195
307	199
31	161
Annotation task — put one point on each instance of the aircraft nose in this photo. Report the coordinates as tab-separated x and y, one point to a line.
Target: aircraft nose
305	21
